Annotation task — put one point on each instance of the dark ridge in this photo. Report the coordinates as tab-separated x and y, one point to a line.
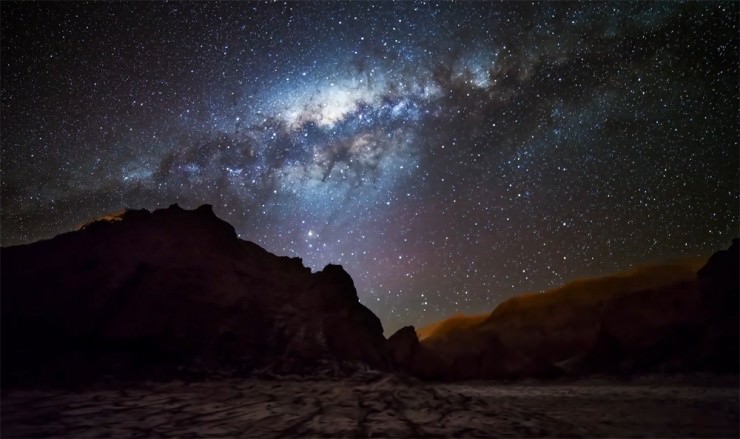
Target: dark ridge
151	294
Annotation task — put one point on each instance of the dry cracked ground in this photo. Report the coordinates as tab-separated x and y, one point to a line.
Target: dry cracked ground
378	406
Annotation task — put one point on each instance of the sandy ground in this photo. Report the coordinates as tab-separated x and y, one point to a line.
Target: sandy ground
380	406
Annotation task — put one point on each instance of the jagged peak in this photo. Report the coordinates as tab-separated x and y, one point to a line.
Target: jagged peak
337	273
333	268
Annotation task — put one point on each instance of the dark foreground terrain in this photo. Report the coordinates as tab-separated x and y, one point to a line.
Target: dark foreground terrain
379	406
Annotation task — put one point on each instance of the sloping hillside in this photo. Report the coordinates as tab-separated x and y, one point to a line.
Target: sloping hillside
660	317
452	324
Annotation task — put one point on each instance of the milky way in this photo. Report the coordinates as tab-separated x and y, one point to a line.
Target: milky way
449	156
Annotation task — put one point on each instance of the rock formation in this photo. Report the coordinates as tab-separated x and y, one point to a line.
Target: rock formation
174	288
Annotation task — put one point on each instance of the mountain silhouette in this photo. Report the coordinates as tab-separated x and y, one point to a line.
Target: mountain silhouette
666	318
175	292
152	292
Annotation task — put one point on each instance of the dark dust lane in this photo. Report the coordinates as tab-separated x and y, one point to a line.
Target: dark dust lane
376	407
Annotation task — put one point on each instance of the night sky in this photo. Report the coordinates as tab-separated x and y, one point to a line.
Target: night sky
449	156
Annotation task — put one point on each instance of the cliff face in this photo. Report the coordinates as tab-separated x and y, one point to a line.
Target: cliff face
170	287
662	319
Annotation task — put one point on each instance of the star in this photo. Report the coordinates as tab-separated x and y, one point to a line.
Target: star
462	153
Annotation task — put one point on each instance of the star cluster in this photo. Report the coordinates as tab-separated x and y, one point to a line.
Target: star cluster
449	155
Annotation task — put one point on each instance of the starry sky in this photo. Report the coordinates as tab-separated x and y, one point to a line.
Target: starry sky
448	155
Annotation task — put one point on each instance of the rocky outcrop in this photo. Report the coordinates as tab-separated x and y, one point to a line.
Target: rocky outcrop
411	357
403	344
143	291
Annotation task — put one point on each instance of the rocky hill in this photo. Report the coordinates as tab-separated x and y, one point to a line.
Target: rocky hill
655	319
155	292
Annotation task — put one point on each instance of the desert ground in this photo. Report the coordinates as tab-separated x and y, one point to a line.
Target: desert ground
377	406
